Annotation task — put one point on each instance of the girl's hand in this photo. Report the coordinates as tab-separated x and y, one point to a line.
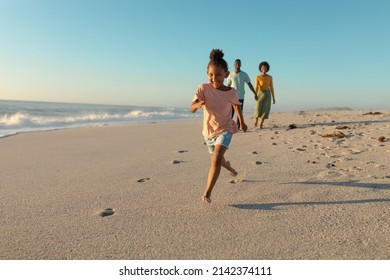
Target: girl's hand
198	104
195	105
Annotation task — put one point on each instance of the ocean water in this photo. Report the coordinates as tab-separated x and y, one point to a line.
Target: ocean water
25	116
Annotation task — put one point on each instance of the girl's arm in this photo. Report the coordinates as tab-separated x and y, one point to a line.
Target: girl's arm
195	105
238	110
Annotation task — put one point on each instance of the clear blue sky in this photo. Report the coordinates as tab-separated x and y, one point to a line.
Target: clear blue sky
155	53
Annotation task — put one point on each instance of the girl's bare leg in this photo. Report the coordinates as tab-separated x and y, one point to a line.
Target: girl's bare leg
256	119
216	162
226	164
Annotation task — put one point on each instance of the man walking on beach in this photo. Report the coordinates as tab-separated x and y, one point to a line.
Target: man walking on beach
237	80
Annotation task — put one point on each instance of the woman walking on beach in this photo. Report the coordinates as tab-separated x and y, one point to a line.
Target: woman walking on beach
217	100
264	88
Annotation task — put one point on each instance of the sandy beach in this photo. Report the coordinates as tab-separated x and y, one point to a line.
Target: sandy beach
134	192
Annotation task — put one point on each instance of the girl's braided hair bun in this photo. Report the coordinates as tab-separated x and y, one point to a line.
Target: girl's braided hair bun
216	54
216	58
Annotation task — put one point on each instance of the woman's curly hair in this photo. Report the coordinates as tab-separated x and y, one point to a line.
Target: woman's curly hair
265	64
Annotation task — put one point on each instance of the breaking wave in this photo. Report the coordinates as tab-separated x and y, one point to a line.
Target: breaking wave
17	116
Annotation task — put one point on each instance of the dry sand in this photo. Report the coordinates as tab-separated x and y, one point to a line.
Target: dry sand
134	192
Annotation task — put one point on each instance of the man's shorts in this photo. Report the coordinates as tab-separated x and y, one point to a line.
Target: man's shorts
223	139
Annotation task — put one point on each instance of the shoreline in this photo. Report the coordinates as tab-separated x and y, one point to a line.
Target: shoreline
247	115
143	122
133	191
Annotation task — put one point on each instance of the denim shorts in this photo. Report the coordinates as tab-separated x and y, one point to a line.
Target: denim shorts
223	139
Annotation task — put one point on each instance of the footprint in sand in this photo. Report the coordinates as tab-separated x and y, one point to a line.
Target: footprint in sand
143	180
176	161
301	149
355	151
330	165
182	151
107	212
358	168
258	162
236	181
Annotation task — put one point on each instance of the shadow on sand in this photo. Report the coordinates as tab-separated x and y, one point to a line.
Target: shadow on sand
355	184
272	206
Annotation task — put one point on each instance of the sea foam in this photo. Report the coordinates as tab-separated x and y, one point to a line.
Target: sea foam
21	116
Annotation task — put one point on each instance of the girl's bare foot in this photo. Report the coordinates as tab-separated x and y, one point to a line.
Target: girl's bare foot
232	171
206	199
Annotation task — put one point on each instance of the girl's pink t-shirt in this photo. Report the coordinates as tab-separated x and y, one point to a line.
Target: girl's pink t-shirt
217	110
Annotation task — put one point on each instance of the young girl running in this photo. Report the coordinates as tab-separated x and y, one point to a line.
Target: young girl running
217	100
